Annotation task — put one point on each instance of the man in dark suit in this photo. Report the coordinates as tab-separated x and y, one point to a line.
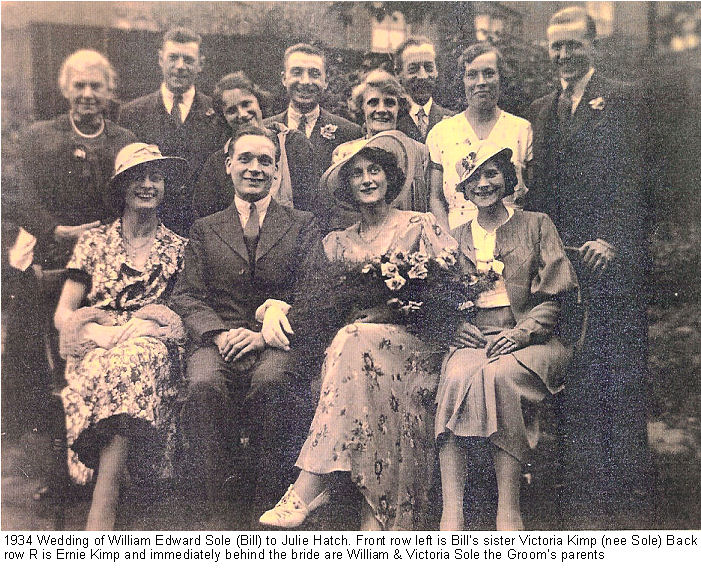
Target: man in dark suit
178	118
304	78
585	177
241	266
415	65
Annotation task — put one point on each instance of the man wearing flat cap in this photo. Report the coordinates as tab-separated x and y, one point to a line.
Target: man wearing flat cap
178	118
585	177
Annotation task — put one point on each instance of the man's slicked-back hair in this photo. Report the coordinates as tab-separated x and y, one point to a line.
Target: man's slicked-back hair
407	43
253	130
572	15
304	48
182	35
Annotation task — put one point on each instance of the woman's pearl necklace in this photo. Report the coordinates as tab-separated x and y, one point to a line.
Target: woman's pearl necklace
82	134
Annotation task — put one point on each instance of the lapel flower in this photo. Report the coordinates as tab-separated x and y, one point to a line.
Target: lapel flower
597	104
209	112
328	131
79	153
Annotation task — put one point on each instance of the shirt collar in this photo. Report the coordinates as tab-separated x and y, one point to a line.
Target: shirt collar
415	107
579	86
244	208
168	97
295	116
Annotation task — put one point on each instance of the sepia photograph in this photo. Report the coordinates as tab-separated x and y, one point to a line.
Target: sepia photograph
350	266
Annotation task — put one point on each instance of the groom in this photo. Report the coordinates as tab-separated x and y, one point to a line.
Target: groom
241	267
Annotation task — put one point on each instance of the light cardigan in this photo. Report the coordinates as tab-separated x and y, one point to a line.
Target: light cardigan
538	277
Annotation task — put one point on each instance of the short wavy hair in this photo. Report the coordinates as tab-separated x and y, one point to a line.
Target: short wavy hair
239	80
84	59
472	52
385	82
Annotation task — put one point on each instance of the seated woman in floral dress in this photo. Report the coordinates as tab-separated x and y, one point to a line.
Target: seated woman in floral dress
511	356
374	416
116	334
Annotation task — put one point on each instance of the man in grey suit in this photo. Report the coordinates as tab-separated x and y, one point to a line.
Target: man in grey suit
415	65
241	268
178	118
304	78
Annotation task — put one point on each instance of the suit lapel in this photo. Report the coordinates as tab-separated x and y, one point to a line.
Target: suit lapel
407	125
543	124
435	116
275	226
463	234
228	228
585	113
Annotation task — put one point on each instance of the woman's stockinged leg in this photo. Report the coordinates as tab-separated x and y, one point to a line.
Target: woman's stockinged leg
111	473
309	485
508	473
452	454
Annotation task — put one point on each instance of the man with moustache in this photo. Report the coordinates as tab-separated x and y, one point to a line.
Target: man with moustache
178	118
241	268
415	65
304	78
585	177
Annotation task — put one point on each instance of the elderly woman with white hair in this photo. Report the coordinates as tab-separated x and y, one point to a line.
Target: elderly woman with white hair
66	162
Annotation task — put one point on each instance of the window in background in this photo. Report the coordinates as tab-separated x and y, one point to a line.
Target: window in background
389	33
602	12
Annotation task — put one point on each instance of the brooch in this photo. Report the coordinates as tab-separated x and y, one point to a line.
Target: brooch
328	131
597	104
209	112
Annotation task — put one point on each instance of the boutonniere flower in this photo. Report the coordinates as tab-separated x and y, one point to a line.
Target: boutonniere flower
328	131
209	112
79	153
597	104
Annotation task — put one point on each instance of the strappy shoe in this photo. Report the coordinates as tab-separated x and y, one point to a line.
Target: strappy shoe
291	511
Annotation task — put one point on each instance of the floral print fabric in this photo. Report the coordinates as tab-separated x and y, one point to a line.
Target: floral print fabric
133	379
374	417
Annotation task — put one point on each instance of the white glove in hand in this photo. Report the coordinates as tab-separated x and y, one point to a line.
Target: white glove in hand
276	328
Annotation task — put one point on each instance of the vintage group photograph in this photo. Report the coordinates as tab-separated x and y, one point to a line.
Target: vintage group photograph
350	266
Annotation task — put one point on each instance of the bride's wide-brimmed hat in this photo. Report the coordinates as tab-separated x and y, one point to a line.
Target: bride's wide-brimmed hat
391	141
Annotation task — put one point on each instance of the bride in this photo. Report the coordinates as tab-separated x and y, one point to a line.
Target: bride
374	416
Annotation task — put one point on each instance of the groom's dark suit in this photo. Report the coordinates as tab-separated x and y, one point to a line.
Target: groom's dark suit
218	290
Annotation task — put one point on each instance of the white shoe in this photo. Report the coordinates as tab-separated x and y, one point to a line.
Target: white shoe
291	511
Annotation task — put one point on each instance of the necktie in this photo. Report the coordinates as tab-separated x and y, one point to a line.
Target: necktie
422	121
302	125
251	232
175	111
564	105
